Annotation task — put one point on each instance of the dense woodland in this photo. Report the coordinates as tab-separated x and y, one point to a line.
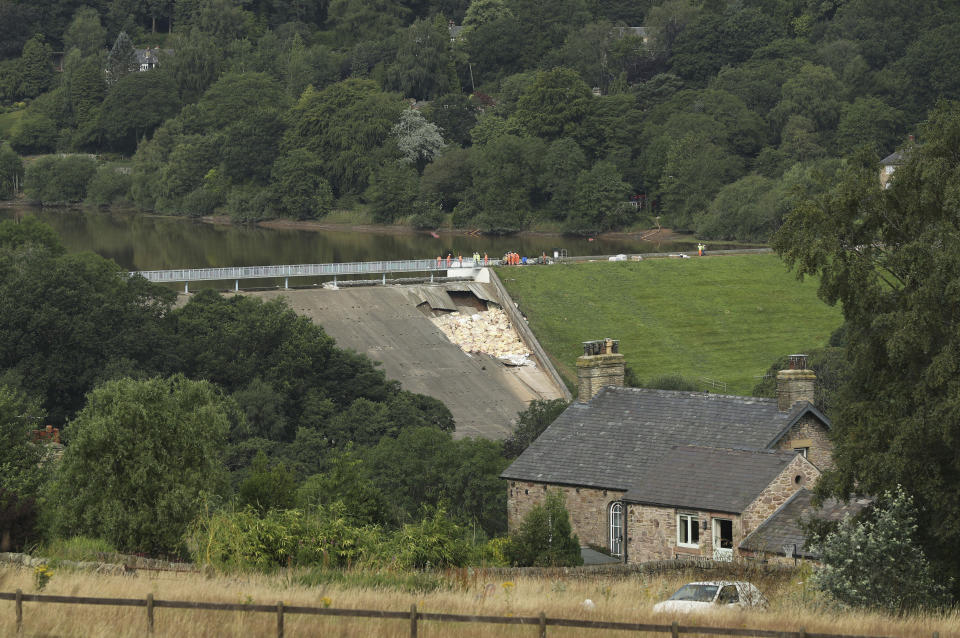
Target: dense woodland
528	114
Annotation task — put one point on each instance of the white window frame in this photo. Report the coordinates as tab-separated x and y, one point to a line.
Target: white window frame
687	521
802	451
615	528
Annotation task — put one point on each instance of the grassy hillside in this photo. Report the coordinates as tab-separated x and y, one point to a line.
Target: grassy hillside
7	123
723	317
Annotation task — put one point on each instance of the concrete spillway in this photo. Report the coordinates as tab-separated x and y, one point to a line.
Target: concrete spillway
392	325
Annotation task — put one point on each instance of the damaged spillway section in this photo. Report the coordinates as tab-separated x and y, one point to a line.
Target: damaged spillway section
487	332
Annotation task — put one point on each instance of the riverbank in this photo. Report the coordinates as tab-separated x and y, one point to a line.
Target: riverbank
650	234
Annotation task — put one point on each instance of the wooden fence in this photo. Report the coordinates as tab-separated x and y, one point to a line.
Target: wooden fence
413	616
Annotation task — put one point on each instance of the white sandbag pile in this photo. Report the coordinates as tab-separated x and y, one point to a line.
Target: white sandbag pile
486	332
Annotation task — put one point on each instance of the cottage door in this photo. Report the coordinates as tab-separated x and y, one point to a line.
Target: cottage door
722	539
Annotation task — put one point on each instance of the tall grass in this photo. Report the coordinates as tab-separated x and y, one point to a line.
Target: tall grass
722	317
626	598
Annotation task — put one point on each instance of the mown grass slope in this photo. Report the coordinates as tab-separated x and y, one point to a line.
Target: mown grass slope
726	317
8	121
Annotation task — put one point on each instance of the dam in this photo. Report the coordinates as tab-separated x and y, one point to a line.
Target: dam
402	328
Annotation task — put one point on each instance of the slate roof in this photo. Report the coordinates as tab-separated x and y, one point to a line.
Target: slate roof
709	478
783	526
609	442
894	159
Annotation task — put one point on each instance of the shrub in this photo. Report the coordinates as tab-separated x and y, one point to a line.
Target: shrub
243	539
59	179
37	134
436	541
250	204
544	537
108	186
875	562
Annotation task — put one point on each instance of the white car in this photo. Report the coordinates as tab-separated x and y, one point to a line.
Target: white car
718	594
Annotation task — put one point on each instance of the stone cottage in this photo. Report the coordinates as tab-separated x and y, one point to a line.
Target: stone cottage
651	474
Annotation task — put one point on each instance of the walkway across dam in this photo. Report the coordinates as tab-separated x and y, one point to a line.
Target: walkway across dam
236	273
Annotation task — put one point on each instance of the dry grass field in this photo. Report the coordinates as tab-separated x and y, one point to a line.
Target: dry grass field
622	599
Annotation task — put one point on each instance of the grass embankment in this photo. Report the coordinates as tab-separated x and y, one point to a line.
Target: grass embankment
7	123
727	317
618	599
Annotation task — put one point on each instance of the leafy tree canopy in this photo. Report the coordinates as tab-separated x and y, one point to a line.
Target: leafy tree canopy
888	257
143	458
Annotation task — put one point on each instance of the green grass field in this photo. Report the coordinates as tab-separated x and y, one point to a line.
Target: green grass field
7	123
727	318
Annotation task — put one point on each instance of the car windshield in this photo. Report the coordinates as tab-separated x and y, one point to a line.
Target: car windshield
699	593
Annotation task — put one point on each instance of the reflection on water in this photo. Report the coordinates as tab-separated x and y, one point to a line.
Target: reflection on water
140	242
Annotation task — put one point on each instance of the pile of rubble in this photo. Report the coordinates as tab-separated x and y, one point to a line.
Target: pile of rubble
487	332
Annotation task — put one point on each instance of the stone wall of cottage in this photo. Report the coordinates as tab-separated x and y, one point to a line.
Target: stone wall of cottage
799	473
808	432
588	508
652	532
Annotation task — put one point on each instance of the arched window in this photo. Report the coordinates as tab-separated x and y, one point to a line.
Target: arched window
616	528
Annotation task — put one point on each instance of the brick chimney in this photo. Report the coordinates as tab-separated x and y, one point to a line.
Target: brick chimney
601	365
795	383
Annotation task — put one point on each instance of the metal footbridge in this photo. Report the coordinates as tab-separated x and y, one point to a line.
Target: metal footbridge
455	268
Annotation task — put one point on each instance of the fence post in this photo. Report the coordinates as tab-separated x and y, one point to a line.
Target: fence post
413	621
150	614
936	634
279	619
19	604
675	629
543	624
802	633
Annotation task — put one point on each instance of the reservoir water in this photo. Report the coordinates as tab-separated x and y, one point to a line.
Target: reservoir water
144	242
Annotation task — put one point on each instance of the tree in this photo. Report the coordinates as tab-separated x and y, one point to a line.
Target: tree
600	201
555	104
875	562
20	473
267	488
447	178
143	457
68	322
135	105
504	183
346	125
36	68
299	186
392	192
37	134
59	180
423	67
544	538
122	60
889	258
418	140
85	33
871	123
348	481
530	424
11	172
455	114
195	65
86	88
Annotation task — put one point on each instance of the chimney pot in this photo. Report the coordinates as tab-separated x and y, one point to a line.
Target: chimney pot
601	365
795	383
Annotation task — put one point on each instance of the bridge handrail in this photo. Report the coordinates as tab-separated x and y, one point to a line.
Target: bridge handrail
307	270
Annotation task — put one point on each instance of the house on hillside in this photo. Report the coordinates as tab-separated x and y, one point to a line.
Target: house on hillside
888	166
654	474
147	59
